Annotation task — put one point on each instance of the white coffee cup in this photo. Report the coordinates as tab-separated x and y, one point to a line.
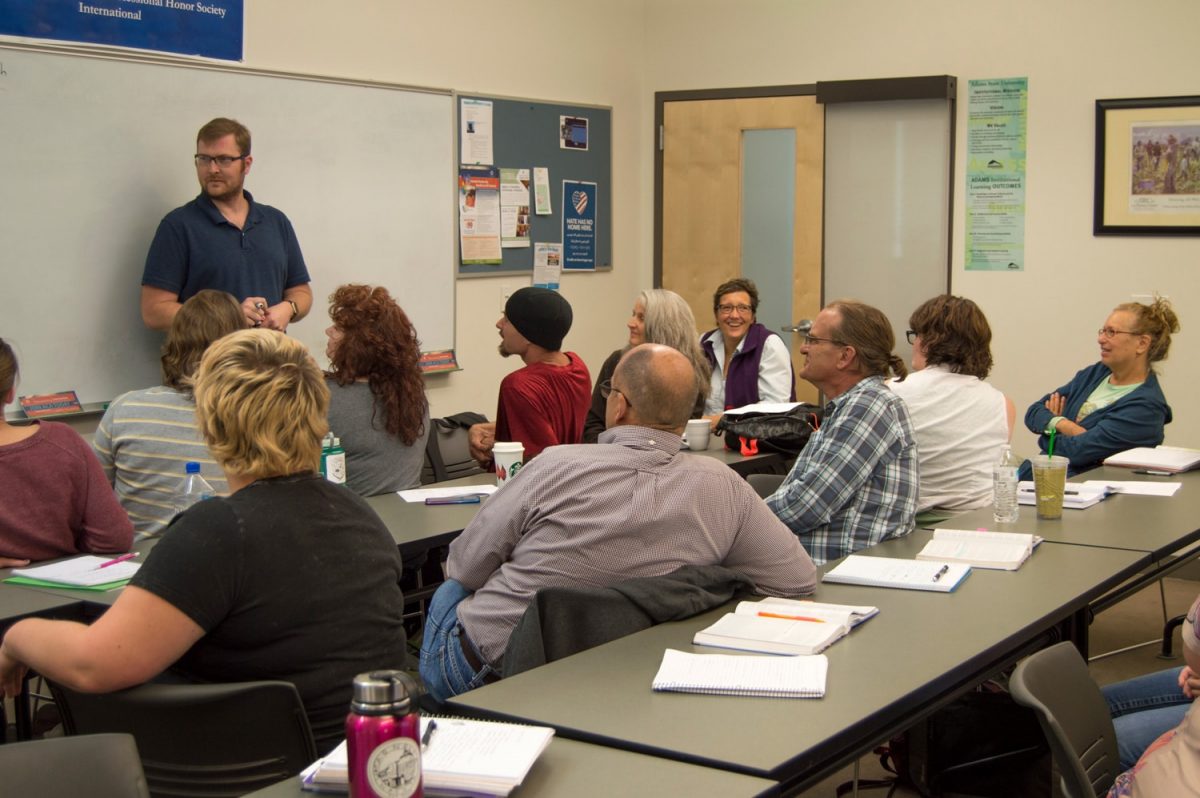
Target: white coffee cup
509	458
697	434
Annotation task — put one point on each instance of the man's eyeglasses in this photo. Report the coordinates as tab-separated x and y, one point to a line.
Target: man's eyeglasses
1109	332
729	310
607	389
223	161
809	340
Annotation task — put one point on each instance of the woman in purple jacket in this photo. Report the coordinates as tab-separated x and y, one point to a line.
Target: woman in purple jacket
749	362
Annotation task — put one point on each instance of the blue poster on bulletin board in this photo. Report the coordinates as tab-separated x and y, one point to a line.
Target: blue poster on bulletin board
579	225
211	28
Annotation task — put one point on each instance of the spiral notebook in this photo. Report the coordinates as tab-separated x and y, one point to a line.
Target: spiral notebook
730	674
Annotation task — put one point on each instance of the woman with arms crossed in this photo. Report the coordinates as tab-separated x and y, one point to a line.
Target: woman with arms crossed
291	577
1115	404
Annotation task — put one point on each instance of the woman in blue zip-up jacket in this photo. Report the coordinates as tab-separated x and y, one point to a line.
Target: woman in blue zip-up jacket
1115	404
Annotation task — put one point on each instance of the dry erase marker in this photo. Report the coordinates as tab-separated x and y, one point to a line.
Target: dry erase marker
941	572
428	735
1152	473
116	560
471	499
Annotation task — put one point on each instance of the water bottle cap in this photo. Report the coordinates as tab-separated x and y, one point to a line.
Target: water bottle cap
384	692
192	468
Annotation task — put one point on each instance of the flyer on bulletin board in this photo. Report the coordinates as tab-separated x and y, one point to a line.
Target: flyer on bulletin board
579	225
479	214
475	133
514	207
547	264
995	201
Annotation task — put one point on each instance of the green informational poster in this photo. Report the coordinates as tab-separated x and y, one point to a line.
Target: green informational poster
995	207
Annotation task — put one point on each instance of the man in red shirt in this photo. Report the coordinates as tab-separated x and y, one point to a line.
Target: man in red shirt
544	403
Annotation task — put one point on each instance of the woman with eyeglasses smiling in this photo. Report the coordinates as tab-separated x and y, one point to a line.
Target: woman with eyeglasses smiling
749	362
1115	404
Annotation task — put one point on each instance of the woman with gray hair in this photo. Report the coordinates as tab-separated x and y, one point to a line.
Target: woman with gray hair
659	317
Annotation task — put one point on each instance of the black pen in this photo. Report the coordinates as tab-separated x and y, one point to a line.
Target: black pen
941	572
429	730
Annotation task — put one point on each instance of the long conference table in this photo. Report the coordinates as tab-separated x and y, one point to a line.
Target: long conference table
923	650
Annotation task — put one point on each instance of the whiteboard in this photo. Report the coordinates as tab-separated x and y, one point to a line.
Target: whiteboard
98	150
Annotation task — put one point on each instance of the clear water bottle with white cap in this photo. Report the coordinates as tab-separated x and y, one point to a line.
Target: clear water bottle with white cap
194	488
1004	488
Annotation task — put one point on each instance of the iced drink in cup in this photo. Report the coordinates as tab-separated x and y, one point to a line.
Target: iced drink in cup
1049	484
509	457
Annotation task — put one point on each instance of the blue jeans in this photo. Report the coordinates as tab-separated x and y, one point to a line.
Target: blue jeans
1142	709
444	668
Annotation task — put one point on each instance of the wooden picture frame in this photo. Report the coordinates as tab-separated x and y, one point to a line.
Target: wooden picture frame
1148	167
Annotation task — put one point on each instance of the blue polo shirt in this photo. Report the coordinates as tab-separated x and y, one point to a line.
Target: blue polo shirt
195	248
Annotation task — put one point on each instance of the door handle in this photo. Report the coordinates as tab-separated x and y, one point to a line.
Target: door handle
802	327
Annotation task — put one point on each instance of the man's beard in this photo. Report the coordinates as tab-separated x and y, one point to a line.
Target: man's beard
503	352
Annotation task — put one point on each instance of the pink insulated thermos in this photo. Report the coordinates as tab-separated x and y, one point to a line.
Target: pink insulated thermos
383	735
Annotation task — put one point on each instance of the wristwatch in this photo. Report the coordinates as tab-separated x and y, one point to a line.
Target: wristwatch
295	310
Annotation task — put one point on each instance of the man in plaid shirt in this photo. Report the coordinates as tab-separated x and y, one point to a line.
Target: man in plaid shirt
855	483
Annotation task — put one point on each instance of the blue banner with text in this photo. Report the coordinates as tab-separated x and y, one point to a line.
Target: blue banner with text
211	28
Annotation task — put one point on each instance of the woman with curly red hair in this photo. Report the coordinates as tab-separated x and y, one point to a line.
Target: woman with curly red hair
377	405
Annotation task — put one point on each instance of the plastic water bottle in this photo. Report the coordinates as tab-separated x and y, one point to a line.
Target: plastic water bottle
1004	487
383	737
195	488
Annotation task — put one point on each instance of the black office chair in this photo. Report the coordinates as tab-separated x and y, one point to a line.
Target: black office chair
95	765
1056	685
201	739
765	484
447	453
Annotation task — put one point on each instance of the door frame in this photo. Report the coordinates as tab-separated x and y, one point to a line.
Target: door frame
929	87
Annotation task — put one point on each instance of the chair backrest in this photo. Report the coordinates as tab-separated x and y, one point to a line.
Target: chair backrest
1055	684
202	739
447	453
95	765
765	484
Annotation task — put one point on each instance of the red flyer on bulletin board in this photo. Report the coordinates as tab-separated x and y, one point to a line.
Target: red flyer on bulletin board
51	404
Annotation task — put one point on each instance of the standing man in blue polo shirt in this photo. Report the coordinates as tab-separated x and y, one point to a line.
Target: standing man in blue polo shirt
225	240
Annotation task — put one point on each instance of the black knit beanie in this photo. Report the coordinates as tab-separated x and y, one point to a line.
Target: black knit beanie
541	315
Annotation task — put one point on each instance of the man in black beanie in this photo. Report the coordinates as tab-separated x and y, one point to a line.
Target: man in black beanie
545	403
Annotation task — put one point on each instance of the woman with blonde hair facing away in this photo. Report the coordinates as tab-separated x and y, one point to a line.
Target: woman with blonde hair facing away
377	395
55	498
289	577
1115	404
147	437
659	317
961	422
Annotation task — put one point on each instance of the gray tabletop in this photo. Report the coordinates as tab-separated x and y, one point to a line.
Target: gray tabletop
417	527
580	770
922	650
1159	525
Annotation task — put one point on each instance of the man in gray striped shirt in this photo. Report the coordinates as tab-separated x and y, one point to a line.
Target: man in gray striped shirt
592	515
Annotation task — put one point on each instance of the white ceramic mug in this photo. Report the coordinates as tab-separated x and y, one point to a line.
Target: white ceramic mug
697	434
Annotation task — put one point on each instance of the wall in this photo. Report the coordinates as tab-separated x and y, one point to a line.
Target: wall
524	48
1073	52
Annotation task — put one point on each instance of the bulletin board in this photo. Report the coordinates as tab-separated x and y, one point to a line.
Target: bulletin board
526	134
